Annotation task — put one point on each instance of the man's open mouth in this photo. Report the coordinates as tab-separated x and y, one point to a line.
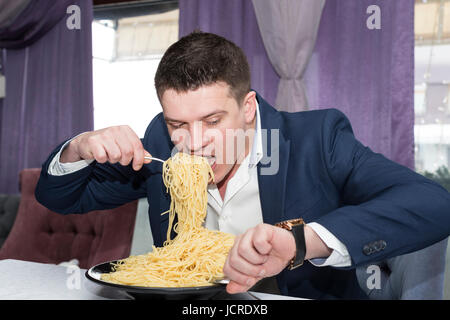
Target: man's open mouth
212	162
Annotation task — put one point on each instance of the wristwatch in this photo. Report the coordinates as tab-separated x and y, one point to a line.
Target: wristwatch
296	226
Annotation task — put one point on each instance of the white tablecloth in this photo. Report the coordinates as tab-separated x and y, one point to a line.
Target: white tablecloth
26	280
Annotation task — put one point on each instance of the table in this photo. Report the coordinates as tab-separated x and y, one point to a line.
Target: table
25	280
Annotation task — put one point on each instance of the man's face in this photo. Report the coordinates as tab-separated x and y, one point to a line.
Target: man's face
209	122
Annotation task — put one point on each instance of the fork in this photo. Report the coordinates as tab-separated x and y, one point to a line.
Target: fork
153	158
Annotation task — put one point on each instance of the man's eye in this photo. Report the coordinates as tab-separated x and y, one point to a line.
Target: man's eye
212	122
176	125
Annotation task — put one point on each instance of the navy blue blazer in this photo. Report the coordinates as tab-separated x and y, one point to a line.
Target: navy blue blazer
376	207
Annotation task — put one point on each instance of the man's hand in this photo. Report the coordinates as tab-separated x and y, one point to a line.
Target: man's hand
262	251
112	144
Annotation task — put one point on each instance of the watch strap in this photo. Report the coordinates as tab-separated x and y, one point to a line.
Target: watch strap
299	235
296	226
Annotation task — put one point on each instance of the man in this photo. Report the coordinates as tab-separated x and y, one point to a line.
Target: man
358	206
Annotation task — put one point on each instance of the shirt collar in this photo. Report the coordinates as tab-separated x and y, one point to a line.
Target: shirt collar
257	148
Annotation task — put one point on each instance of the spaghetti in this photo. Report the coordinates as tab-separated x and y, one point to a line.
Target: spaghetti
195	257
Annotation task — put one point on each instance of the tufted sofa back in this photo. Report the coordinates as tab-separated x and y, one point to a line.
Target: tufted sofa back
41	235
9	203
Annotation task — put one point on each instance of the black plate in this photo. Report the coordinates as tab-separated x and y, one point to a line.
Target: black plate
203	292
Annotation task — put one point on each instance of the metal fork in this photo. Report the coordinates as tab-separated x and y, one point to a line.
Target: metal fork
153	158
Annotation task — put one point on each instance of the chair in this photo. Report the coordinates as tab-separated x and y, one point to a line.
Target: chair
41	235
9	203
417	275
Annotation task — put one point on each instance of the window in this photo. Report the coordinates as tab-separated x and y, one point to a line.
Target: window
126	53
419	99
432	87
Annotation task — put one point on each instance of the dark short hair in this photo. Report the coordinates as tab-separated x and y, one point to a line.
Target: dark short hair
200	59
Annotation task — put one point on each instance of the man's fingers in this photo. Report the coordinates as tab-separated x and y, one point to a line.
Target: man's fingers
98	153
234	287
113	144
126	150
244	263
138	149
103	144
244	267
247	250
147	154
260	252
262	240
229	270
112	150
238	280
236	268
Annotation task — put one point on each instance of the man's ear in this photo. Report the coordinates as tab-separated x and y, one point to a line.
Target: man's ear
249	105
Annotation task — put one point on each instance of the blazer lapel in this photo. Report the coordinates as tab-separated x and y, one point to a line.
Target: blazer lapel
272	169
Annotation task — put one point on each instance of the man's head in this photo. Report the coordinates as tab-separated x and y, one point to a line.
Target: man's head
201	59
203	84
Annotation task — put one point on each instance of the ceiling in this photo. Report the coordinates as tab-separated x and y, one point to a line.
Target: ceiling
102	2
432	22
146	35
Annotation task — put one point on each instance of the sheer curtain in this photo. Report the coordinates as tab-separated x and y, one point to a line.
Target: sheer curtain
236	21
365	72
289	29
49	84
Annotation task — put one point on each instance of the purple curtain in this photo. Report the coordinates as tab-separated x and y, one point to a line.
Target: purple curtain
48	93
32	22
236	21
368	73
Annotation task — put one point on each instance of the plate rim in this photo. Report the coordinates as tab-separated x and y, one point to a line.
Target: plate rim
151	290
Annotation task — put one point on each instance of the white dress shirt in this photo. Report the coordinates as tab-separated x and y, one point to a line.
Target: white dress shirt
241	207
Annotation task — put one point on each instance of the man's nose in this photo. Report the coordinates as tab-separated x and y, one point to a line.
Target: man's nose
197	139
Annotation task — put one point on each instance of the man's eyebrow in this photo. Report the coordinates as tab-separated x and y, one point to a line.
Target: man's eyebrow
204	117
215	113
171	120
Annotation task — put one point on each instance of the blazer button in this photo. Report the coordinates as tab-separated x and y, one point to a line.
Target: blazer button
377	245
367	250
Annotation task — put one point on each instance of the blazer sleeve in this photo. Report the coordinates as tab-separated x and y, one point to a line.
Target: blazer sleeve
96	187
99	186
387	209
